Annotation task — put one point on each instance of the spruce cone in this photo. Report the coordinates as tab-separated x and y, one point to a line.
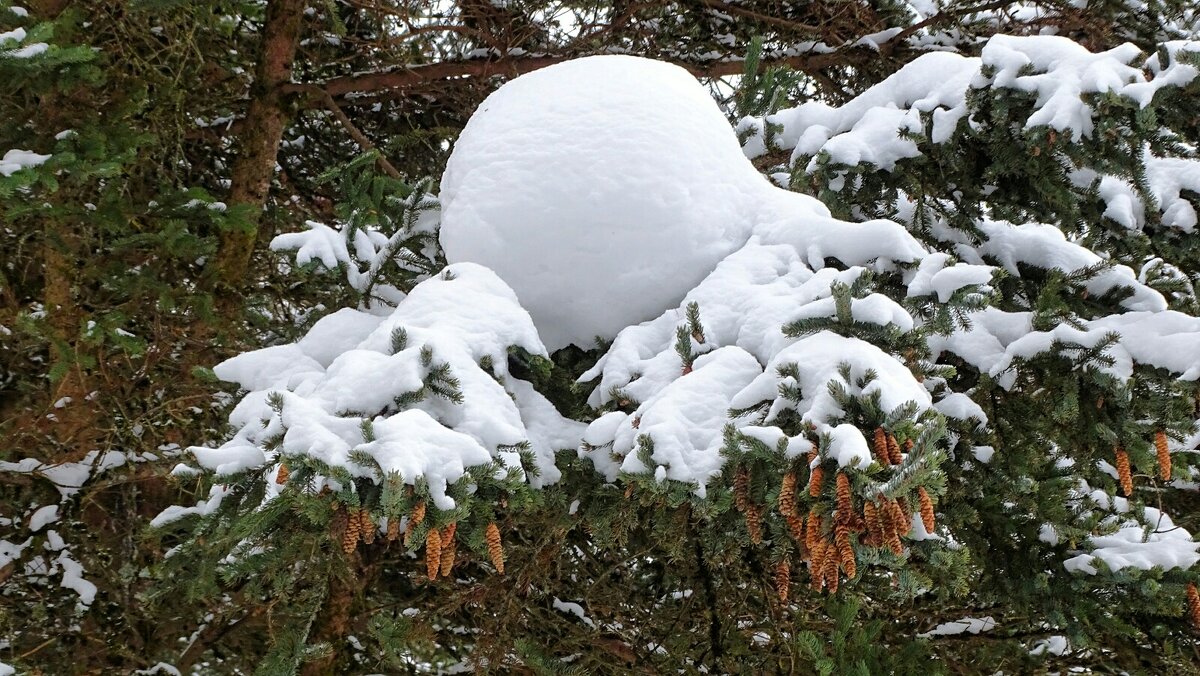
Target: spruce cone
783	579
894	450
845	550
787	495
812	534
393	529
338	523
1193	601
367	525
353	531
449	549
1164	455
433	553
281	476
892	539
901	518
926	510
414	520
741	489
881	449
831	569
814	482
796	528
876	526
754	524
1124	472
844	506
495	548
817	565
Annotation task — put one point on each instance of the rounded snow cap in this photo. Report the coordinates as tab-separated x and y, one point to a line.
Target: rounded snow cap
601	190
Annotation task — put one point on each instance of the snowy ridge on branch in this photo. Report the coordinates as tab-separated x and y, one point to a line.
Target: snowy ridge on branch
417	378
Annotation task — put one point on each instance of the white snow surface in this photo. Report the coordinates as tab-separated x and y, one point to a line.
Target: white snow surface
580	183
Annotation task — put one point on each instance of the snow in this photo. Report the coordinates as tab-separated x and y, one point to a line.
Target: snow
1167	546
1052	645
597	161
967	625
43	517
16	160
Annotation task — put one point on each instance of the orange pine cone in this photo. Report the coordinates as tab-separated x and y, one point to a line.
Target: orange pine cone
449	547
901	518
754	524
433	553
1124	473
844	506
783	579
874	523
927	518
831	570
1193	601
353	531
817	564
281	476
894	450
367	524
812	533
1164	455
414	520
495	548
881	448
796	529
845	550
393	531
814	482
787	495
741	489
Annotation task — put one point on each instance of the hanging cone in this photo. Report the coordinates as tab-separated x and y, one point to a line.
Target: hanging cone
1124	473
754	524
1164	455
874	523
449	548
281	476
845	550
353	531
367	525
393	530
796	529
741	489
881	449
433	553
831	569
927	518
894	450
814	482
817	565
1193	601
783	579
495	548
812	533
787	495
414	520
844	506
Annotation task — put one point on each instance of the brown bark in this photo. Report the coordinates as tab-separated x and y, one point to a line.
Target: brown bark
259	142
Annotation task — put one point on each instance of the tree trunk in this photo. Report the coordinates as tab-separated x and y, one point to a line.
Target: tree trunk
259	141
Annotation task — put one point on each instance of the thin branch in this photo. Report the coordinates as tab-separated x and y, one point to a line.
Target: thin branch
359	137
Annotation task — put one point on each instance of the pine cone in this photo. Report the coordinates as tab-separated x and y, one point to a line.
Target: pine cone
338	523
874	522
812	533
845	550
414	520
892	539
796	528
927	517
894	450
449	549
831	570
353	531
1164	455
881	449
368	526
433	553
393	531
844	506
754	525
281	476
783	579
495	548
817	565
814	482
901	518
1124	472
741	489
787	495
1193	601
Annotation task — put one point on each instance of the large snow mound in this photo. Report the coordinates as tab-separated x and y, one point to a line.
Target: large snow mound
601	190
